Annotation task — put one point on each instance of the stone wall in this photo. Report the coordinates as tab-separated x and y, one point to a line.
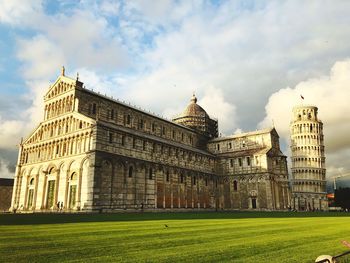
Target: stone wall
6	187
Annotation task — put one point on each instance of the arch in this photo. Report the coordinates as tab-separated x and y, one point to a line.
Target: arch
130	171
150	173
51	169
235	185
73	176
31	181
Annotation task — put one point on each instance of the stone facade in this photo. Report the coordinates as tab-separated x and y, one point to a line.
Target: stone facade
254	170
94	153
6	186
308	160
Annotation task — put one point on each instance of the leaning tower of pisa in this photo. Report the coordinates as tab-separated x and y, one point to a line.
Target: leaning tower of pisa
308	160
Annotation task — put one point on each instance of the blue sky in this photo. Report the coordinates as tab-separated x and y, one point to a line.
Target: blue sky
247	61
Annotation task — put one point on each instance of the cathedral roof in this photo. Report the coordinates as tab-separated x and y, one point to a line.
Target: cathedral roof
193	109
246	134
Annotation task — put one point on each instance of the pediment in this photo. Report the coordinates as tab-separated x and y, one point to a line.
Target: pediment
62	85
64	125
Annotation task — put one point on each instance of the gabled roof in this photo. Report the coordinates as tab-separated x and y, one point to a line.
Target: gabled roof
62	79
76	115
244	152
246	134
255	151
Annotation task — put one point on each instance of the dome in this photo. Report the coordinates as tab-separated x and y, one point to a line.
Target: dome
193	109
195	117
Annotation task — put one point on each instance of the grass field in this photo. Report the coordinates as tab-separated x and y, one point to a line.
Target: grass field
189	237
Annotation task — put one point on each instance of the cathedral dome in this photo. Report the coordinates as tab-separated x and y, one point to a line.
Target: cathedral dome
193	109
195	117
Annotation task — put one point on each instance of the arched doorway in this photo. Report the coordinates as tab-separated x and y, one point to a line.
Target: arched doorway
51	185
253	202
72	190
30	193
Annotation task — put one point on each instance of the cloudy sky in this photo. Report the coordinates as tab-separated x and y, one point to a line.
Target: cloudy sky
247	61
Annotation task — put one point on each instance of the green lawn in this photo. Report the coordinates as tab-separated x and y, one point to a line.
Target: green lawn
189	237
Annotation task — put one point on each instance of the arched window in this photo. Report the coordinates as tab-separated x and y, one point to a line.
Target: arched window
235	185
141	124
112	114
30	194
51	170
128	119
130	171
73	176
31	181
72	190
50	201
150	174
181	179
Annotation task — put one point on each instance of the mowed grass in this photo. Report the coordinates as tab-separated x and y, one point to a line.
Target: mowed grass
189	237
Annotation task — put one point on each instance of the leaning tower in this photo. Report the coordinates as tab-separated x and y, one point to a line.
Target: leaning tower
308	160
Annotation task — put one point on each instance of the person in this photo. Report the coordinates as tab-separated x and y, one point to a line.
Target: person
61	206
141	206
58	205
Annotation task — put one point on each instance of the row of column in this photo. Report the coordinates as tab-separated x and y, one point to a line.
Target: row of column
65	147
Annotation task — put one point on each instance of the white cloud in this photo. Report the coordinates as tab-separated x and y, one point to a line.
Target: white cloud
41	57
246	53
77	39
86	40
10	131
109	8
216	106
157	54
331	95
4	170
18	12
154	12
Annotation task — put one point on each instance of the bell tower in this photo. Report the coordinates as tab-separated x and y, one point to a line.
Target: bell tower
308	160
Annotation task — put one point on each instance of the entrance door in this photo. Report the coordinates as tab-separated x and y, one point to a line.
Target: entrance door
30	198
254	203
50	194
72	195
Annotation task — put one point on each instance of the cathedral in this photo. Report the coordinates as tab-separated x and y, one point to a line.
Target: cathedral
92	153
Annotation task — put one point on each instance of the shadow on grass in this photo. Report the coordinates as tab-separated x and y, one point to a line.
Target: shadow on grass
57	218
